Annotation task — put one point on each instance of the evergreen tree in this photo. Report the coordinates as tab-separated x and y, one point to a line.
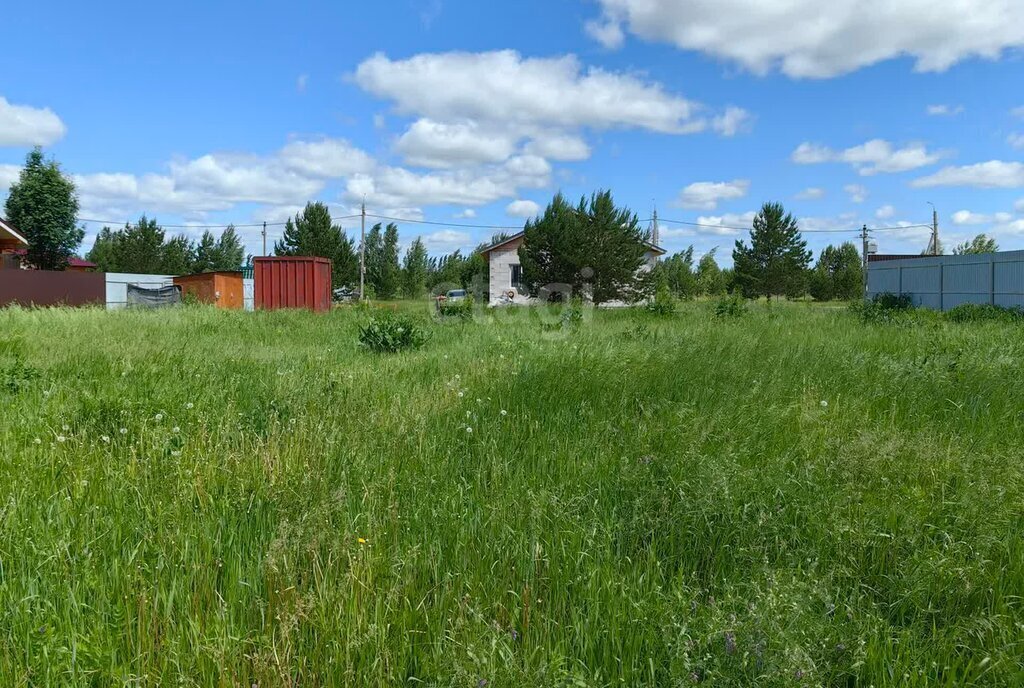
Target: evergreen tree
374	257
838	275
389	275
594	247
178	256
311	233
980	244
138	248
42	205
711	280
414	270
104	251
228	252
775	263
205	253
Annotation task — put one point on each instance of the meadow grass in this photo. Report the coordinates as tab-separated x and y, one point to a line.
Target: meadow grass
790	497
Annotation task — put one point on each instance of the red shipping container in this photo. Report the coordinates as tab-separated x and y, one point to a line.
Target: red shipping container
289	282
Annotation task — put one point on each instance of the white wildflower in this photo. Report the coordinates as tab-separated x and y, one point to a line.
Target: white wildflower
124	431
824	404
190	406
61	438
175	429
461	394
105	438
504	412
159	417
469	431
38	441
65	427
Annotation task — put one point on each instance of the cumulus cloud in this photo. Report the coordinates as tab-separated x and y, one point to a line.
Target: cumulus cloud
446	240
707	195
8	175
886	212
856	192
730	224
607	33
325	158
870	158
966	217
428	143
524	209
466	214
561	147
810	39
944	110
994	174
731	122
503	86
24	125
811	194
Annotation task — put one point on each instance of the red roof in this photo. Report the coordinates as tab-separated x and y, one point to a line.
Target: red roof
73	261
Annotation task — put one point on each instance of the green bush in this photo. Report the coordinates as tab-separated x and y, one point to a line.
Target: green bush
981	312
893	302
458	310
389	333
731	306
884	308
664	304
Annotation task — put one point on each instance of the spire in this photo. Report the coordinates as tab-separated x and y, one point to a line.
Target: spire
655	232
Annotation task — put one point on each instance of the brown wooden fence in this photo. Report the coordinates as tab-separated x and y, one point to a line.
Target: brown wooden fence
46	288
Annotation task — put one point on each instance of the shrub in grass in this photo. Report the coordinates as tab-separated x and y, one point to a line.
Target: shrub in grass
461	309
731	306
390	333
884	308
663	304
981	312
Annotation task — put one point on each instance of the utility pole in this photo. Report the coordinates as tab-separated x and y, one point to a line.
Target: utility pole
264	237
864	238
655	231
362	256
935	231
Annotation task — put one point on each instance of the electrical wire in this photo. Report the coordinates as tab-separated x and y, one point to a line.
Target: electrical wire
440	224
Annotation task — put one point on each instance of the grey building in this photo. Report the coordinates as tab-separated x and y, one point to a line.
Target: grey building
945	282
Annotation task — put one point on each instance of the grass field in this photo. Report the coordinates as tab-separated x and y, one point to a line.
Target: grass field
200	498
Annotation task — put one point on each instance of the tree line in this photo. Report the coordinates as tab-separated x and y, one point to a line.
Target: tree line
144	248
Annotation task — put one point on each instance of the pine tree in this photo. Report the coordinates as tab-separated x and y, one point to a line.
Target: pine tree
311	233
775	263
103	251
414	269
139	248
594	247
42	205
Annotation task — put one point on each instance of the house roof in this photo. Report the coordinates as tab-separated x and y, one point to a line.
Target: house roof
515	237
73	261
7	231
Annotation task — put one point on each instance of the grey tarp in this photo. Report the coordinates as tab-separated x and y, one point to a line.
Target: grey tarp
153	298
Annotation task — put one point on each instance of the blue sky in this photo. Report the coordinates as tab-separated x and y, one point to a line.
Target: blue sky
461	112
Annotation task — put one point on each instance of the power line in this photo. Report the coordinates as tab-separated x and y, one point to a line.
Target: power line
802	231
441	224
163	226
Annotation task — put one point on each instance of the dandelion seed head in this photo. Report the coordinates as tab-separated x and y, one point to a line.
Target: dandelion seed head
38	441
504	412
824	404
159	417
469	431
104	438
175	429
190	406
61	438
123	431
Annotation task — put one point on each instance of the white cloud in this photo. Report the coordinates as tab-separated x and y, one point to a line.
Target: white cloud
562	147
886	212
607	33
1016	140
944	110
994	174
733	121
325	158
506	87
301	83
707	195
870	158
966	217
857	192
811	194
8	175
24	125
523	209
811	39
446	240
1019	206
467	214
396	186
729	224
428	143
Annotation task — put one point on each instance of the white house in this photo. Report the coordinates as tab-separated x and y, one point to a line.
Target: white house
506	274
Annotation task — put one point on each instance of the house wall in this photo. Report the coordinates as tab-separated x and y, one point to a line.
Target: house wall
500	275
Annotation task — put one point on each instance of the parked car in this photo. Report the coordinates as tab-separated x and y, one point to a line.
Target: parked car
346	295
453	296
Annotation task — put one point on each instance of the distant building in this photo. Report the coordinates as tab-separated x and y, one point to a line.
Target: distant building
505	272
14	248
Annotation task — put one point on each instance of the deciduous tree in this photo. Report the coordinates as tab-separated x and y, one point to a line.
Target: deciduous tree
980	244
838	275
43	206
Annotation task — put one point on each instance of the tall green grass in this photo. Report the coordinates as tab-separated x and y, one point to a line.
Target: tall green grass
789	497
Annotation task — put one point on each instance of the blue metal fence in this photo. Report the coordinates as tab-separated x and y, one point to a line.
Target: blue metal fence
944	282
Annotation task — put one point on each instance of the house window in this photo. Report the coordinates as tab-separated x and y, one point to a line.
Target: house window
516	281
